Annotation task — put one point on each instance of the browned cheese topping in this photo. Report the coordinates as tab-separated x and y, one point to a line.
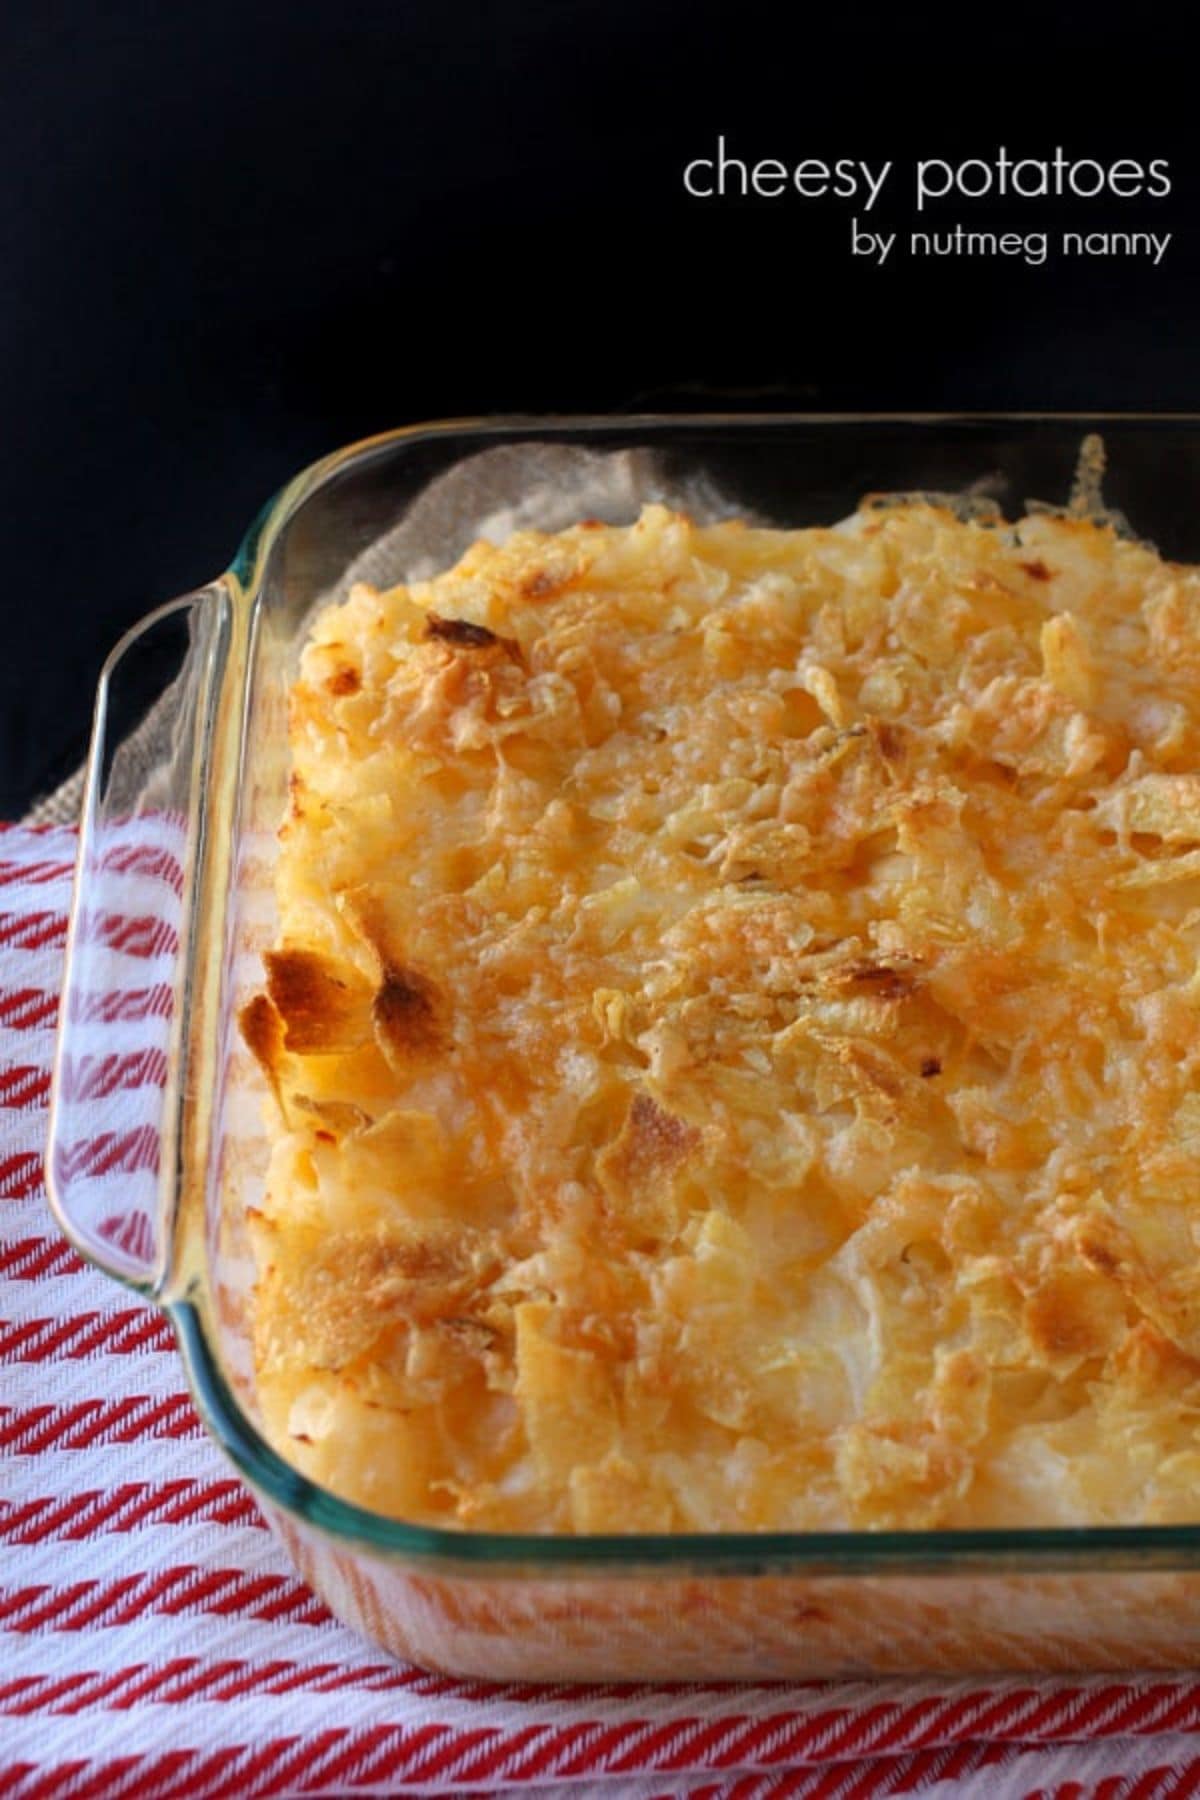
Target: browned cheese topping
733	1033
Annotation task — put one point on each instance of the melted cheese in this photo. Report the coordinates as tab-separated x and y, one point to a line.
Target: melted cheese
734	1033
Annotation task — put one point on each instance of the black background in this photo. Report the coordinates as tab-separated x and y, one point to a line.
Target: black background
233	238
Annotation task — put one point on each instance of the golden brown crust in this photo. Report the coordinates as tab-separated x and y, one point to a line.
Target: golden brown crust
652	1144
321	1003
736	1032
404	1013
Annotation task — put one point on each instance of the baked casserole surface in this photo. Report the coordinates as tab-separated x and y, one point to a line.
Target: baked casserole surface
733	1033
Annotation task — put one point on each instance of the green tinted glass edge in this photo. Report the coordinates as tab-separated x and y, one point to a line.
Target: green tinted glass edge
1059	1548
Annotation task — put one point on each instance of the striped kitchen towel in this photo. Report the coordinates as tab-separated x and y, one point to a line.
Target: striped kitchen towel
154	1641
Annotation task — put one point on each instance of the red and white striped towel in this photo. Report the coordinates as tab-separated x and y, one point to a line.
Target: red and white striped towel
154	1641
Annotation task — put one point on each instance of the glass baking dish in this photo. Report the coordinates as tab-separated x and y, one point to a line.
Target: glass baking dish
156	1142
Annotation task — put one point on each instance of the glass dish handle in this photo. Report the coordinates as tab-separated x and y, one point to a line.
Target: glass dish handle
113	1157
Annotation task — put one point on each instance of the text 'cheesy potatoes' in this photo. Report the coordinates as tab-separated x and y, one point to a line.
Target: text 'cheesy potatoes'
734	1033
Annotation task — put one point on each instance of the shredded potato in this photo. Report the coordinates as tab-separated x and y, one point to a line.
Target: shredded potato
734	1033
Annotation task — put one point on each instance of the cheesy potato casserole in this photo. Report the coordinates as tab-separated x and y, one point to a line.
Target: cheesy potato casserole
733	1033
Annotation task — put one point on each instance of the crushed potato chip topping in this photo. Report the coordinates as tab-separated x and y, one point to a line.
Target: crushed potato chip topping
734	1033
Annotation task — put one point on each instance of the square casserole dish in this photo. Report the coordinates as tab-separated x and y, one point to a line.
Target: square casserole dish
173	907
